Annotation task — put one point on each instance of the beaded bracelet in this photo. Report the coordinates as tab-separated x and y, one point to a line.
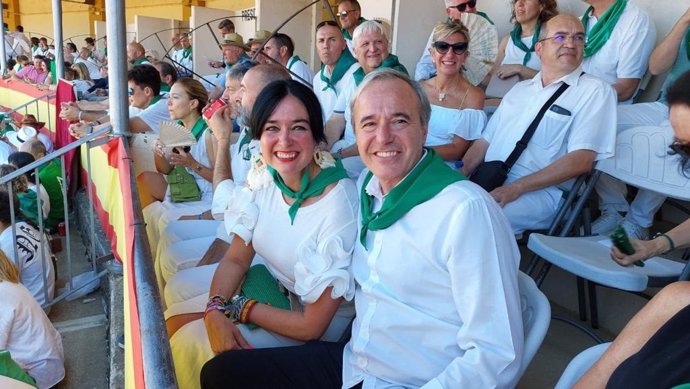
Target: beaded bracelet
668	238
246	311
234	309
216	303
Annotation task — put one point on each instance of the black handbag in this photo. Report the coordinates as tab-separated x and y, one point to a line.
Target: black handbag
492	174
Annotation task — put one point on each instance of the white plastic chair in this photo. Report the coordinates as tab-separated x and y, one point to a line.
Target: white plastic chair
579	365
641	160
536	316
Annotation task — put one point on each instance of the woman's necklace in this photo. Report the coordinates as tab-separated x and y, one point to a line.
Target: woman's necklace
441	95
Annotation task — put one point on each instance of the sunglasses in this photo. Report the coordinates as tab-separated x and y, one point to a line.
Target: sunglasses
443	47
344	13
462	7
130	91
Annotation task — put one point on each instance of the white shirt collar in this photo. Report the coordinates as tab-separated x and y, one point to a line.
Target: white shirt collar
571	79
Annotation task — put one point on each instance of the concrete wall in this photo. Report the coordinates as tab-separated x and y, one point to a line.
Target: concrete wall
147	28
272	14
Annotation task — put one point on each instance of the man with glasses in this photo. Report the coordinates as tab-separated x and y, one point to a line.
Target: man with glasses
576	130
350	16
454	8
337	67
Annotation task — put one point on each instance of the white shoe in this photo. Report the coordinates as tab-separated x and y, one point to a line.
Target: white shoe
635	231
606	222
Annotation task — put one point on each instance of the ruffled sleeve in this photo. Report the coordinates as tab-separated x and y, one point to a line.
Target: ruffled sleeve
321	265
221	198
242	214
470	124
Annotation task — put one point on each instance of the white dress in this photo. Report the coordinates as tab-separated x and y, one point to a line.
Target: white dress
307	257
448	122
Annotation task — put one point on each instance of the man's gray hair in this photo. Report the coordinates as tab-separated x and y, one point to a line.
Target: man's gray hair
385	74
368	27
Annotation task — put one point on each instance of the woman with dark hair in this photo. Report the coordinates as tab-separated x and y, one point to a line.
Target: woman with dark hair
298	214
652	350
516	50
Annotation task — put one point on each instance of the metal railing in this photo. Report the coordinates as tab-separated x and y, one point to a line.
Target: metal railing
25	108
35	168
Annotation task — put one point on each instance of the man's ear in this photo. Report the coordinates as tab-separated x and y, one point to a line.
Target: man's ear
283	51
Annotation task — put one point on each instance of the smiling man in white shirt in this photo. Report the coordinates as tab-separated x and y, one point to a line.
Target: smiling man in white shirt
437	298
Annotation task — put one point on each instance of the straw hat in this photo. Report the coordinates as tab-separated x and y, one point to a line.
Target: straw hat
260	36
233	39
30	120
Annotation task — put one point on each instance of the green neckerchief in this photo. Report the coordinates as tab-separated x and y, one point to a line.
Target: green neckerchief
341	66
426	180
683	386
198	128
347	34
485	16
154	101
246	138
516	36
602	30
140	61
294	59
105	51
164	87
390	62
309	188
186	53
687	44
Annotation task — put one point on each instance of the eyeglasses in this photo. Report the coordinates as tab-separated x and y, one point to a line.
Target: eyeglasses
462	7
578	38
344	13
443	47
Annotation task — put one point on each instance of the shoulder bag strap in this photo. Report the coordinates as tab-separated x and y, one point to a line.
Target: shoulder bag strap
521	145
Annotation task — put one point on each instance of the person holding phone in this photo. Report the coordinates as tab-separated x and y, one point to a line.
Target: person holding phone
652	350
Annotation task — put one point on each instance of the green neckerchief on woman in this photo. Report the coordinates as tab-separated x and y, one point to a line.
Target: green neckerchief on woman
426	180
390	62
308	188
516	37
601	32
341	66
198	128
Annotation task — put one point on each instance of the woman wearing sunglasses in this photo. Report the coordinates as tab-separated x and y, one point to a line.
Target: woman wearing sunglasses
456	105
516	50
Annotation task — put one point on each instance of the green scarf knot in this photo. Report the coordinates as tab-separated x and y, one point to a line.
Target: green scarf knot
341	66
516	36
308	189
601	32
390	62
426	180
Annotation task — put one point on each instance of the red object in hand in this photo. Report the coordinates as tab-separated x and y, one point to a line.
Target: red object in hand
61	229
216	105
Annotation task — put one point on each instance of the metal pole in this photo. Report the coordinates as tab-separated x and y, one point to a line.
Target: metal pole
57	30
3	55
117	65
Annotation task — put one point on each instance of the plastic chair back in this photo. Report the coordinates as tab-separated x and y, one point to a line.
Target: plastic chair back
536	317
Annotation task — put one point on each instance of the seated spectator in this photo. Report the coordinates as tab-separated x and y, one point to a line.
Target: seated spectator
30	127
651	351
25	330
183	57
515	51
34	46
575	131
82	81
454	8
233	49
94	68
255	44
136	54
31	198
280	48
50	176
670	56
457	117
350	16
417	324
620	37
100	55
43	49
39	73
337	67
371	50
225	26
70	52
311	260
30	250
168	76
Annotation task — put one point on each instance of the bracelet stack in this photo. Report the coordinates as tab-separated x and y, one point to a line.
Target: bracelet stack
246	311
672	245
216	303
